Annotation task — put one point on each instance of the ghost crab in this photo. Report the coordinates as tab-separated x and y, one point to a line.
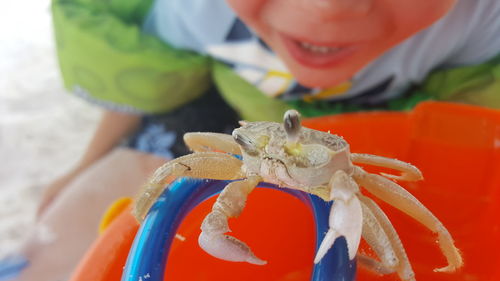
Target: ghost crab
316	162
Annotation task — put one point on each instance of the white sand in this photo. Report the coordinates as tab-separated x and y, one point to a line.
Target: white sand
43	129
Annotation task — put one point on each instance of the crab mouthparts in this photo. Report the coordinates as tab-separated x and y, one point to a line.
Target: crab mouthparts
274	171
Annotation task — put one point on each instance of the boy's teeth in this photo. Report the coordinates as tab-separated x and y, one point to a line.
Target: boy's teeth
318	49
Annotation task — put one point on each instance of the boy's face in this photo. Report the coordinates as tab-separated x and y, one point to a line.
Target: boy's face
325	42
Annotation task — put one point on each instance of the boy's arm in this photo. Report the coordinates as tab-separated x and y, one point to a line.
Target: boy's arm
106	58
112	128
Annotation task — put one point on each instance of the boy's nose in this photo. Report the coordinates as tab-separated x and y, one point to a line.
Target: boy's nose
341	8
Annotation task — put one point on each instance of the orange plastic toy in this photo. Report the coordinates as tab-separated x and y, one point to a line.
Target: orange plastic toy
457	147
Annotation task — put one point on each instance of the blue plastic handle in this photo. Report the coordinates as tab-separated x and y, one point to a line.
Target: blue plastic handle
148	255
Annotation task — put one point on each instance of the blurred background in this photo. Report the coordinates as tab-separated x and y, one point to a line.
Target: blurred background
43	128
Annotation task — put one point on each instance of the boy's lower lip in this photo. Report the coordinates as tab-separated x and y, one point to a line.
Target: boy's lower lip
317	56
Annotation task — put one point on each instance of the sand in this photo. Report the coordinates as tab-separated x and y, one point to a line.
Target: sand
43	128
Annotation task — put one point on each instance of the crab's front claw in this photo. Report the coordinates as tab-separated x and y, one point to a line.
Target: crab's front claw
346	217
346	220
213	240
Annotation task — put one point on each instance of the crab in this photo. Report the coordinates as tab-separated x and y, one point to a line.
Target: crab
320	163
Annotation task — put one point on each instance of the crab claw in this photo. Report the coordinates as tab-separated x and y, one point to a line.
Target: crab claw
213	240
228	248
346	220
346	216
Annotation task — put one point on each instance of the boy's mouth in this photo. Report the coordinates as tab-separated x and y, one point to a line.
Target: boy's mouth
318	55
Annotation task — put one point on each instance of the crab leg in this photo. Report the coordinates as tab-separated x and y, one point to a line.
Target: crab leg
401	199
408	171
209	165
346	218
377	238
230	203
373	264
202	142
385	241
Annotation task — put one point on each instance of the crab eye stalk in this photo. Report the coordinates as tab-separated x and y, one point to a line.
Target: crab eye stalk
246	143
291	123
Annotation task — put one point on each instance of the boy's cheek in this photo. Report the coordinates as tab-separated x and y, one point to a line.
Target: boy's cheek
246	9
419	14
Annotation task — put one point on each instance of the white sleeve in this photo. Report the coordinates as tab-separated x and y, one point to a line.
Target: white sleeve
483	40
